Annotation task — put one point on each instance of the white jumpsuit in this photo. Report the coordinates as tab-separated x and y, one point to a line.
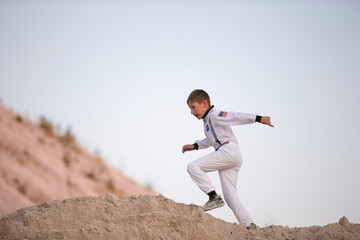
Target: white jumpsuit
226	159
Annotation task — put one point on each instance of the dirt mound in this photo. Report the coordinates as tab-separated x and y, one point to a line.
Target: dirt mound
145	217
36	165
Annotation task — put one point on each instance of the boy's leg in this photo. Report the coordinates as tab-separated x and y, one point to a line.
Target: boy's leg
228	180
209	163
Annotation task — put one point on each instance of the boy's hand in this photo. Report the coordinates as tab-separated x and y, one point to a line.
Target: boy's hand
188	147
266	120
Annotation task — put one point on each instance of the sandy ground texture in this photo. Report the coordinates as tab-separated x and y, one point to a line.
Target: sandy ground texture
38	165
145	217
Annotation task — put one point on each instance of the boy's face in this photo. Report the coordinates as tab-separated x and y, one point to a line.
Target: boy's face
198	109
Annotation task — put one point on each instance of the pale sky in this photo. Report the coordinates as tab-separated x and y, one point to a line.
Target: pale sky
119	73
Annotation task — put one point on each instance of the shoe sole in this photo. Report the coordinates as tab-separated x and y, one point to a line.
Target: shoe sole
214	207
252	227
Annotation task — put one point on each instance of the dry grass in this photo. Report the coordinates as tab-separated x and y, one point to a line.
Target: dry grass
19	119
98	156
22	188
91	175
149	185
69	183
110	185
21	161
41	140
68	138
67	159
47	126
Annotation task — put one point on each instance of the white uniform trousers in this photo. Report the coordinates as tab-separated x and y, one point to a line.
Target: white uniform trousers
227	160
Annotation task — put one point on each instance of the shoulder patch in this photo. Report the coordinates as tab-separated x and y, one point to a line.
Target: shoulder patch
222	114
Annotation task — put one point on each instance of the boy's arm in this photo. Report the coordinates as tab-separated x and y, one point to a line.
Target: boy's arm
199	144
234	118
202	144
238	118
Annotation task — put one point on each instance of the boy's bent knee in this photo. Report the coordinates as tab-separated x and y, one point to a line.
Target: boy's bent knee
191	167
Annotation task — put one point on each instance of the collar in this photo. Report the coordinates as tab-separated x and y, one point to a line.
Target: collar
207	112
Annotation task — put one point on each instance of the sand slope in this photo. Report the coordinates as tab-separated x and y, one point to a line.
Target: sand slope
36	166
145	217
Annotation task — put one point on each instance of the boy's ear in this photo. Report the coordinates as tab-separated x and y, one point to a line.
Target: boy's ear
205	103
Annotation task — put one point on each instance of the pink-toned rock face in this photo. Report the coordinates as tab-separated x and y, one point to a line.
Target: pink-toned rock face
36	166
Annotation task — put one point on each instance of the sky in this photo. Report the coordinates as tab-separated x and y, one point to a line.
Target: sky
118	73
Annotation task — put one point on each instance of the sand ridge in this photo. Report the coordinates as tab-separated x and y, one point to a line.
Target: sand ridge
145	217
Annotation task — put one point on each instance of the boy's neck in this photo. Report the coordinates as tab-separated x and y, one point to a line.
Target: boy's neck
207	111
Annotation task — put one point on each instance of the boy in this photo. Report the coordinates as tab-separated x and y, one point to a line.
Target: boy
226	159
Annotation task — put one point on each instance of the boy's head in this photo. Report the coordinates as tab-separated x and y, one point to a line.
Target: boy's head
199	102
198	95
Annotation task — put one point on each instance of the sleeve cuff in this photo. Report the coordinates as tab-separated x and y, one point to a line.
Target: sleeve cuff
196	146
258	118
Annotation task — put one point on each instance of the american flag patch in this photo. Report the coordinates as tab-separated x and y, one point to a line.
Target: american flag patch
222	114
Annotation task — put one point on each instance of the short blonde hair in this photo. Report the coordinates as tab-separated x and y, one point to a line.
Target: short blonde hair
198	95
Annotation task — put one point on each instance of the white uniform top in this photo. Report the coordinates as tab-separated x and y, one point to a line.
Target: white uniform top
217	127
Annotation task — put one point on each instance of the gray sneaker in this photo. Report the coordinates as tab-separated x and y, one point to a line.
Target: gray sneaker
252	226
213	203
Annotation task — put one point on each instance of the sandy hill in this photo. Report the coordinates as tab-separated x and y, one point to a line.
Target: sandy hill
40	167
145	217
37	165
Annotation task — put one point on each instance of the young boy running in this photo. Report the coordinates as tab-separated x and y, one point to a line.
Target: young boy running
226	159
